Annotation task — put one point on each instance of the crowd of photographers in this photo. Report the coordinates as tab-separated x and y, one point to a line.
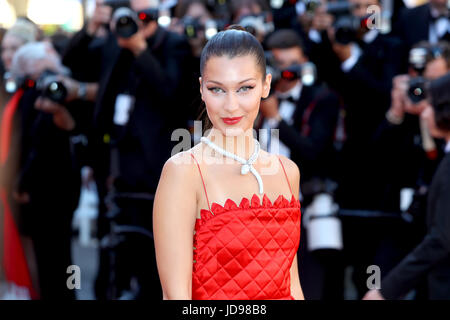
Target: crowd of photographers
360	101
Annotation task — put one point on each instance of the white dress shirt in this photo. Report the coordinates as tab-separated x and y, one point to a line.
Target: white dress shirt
269	139
439	28
356	51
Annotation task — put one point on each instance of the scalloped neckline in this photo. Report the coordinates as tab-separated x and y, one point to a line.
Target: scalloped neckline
254	202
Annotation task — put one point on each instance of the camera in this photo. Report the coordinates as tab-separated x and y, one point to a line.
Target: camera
306	72
347	28
50	86
193	25
417	89
257	24
126	21
418	59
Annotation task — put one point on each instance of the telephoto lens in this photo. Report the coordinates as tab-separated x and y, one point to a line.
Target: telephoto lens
125	22
51	87
417	90
307	71
257	24
347	28
191	26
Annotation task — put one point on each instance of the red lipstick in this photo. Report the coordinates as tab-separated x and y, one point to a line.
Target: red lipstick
231	121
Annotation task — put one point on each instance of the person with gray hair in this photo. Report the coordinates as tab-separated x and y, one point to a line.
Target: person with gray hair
40	173
22	32
33	58
19	34
31	61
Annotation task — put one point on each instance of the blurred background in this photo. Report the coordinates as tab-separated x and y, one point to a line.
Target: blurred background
91	90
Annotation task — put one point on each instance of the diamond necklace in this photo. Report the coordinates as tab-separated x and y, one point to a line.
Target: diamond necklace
247	165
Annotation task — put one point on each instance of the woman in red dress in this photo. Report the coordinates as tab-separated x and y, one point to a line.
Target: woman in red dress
226	219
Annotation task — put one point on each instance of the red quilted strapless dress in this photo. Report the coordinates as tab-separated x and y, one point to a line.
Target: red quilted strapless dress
246	252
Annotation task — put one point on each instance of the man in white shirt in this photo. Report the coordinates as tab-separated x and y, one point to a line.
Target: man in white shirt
304	116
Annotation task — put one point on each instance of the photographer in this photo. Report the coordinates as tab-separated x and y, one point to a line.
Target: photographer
306	116
431	258
140	71
402	127
348	46
19	34
191	18
411	153
40	177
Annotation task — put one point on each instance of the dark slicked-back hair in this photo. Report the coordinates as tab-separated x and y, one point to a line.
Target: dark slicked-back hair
284	39
234	42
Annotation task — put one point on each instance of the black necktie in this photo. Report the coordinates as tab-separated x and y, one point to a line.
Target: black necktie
433	19
289	99
445	37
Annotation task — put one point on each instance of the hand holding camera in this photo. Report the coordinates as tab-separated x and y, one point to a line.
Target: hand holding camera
55	90
133	28
401	102
61	116
137	43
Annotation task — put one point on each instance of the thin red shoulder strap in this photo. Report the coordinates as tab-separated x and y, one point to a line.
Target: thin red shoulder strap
203	181
285	175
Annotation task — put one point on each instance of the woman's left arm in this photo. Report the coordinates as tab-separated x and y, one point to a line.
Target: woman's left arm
294	180
296	288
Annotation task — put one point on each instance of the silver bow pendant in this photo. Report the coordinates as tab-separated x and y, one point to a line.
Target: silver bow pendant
245	169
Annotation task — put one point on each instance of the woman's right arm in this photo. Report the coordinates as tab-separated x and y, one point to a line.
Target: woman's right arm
174	214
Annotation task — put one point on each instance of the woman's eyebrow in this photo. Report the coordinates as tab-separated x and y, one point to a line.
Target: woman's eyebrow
239	82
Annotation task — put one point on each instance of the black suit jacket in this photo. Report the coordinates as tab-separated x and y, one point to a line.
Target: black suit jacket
365	91
41	163
431	257
413	25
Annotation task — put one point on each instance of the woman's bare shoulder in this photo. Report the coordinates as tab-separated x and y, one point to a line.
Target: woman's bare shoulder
290	166
179	165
